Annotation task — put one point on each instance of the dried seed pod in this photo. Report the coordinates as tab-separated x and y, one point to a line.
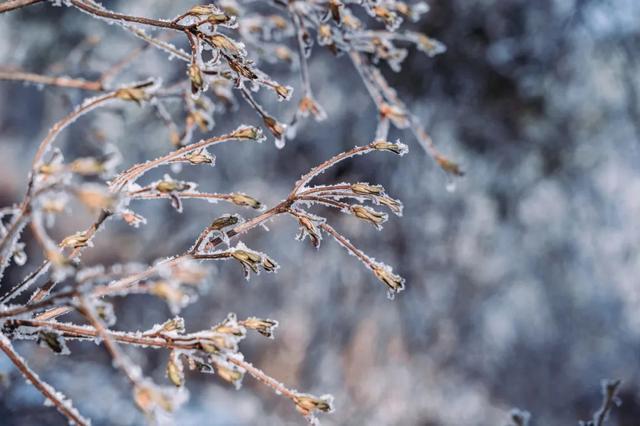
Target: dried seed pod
245	201
284	92
247	132
174	324
269	265
366	189
134	94
448	165
369	215
224	222
394	282
394	205
175	369
276	128
77	240
309	228
200	157
231	375
308	106
308	404
248	260
88	166
196	78
262	326
229	326
397	148
53	341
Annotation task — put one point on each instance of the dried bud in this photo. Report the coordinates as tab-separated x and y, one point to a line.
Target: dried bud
396	148
428	45
242	69
325	36
223	222
334	7
448	165
167	186
366	189
390	19
308	227
284	53
262	326
231	375
248	260
393	205
308	105
276	128
174	324
195	76
247	132
308	404
87	166
396	114
77	240
147	398
200	157
175	370
132	218
222	42
269	265
369	215
284	92
229	326
245	201
49	169
135	94
96	198
203	121
391	280
53	341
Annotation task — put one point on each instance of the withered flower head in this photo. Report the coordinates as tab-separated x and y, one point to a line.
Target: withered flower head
396	148
245	201
223	42
366	189
262	326
369	215
308	404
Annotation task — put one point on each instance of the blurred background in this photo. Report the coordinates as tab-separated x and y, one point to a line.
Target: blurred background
522	283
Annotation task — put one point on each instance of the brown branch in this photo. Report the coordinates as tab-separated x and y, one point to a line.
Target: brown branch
62	405
16	4
74	83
